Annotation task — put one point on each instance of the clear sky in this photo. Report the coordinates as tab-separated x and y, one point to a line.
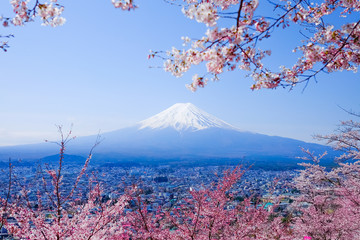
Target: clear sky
93	72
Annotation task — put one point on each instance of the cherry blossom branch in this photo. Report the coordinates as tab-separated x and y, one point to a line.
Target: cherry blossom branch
4	204
82	172
4	44
239	13
344	43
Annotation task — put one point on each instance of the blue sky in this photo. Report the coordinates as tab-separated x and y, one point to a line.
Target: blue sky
93	72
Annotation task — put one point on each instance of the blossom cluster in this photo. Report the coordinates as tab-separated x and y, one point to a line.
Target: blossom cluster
21	10
50	13
124	4
203	12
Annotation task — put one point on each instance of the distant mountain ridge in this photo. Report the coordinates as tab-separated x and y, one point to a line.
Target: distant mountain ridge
180	133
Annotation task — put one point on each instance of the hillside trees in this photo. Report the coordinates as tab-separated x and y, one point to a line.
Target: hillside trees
235	31
329	204
60	214
209	213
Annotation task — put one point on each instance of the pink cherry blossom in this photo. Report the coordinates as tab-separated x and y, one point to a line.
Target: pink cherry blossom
234	47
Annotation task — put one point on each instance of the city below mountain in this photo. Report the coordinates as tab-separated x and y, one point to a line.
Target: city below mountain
182	134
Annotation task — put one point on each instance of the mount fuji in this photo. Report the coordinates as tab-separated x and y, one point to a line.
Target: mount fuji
184	117
183	132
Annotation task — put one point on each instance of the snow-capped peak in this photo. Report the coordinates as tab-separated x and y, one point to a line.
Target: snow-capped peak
184	116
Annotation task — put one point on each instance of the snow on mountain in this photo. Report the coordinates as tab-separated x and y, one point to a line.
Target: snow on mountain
183	117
